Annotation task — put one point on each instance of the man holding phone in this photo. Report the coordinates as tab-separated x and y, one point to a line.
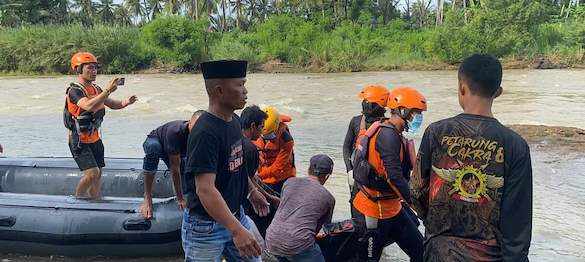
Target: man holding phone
83	114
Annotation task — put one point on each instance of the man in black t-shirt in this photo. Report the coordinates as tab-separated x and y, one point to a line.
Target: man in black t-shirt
252	125
214	224
169	144
472	183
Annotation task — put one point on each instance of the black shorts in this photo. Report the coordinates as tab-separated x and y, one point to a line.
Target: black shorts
88	155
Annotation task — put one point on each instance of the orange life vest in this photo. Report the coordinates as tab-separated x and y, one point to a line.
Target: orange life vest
377	197
269	150
88	133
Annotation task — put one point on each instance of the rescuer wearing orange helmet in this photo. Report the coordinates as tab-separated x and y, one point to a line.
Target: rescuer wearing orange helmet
381	170
83	114
374	99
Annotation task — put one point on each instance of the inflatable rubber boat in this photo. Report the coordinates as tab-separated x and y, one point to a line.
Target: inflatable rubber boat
39	215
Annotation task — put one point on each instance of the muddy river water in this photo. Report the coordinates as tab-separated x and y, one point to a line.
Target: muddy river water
321	105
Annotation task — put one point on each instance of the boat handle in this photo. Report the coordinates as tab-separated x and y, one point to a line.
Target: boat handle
137	224
7	221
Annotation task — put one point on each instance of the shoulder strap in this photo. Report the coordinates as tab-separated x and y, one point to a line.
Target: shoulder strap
98	88
377	125
75	85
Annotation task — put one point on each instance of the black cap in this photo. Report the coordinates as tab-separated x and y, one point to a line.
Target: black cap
224	69
321	164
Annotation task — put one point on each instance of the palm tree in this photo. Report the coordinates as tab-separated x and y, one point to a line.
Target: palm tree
238	6
193	8
224	9
87	10
207	7
421	11
439	12
123	15
135	9
406	10
10	14
106	11
155	8
252	11
54	11
172	6
263	9
386	8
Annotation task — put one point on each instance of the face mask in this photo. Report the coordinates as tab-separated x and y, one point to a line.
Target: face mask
414	124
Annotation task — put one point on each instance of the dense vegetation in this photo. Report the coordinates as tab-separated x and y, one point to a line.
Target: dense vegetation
39	36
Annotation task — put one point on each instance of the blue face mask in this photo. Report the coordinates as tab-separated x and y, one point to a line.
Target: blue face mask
415	124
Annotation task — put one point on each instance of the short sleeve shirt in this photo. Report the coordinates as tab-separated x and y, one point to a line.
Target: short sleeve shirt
215	146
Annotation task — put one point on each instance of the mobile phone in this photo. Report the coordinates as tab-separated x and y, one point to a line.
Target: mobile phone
120	81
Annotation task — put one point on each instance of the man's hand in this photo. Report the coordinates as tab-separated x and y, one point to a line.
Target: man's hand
246	243
181	203
130	100
112	86
259	203
146	209
274	201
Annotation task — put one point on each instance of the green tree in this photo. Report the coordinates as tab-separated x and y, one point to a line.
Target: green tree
19	12
155	8
86	11
106	11
136	9
176	40
207	7
193	9
172	6
239	8
123	16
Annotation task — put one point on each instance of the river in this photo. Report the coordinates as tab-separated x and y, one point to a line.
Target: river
321	106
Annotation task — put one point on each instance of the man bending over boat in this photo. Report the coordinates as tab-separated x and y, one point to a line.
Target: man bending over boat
169	144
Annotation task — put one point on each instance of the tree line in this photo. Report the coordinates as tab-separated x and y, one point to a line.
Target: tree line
227	15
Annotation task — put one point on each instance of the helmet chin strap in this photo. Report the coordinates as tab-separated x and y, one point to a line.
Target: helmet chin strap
403	113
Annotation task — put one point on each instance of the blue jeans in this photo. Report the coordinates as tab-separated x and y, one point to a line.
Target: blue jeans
206	241
311	254
153	152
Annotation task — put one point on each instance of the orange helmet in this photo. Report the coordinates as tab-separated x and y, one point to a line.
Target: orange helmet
406	97
82	58
375	94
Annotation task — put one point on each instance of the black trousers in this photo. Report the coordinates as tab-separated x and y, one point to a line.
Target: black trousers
262	223
400	229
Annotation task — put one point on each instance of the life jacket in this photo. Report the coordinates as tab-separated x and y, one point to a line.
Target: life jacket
84	125
363	128
369	173
269	150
